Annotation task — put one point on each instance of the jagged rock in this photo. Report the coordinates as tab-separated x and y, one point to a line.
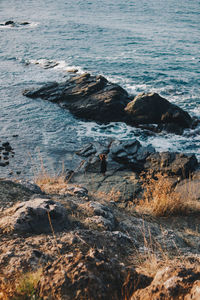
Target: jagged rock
102	216
152	108
172	163
171	283
95	98
35	216
86	96
75	190
90	276
130	153
31	186
12	192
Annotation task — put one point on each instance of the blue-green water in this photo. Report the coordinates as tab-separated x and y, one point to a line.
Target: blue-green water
142	45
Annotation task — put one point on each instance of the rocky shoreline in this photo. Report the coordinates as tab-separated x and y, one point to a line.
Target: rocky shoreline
93	231
86	238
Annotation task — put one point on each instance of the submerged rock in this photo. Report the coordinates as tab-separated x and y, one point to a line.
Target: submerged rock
15	24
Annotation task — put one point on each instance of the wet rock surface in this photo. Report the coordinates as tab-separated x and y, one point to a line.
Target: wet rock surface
86	96
6	152
95	98
15	24
152	108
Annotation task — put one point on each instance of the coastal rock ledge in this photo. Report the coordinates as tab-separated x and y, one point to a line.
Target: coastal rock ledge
95	98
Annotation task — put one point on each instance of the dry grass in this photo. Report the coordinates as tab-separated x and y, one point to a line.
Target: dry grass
23	287
51	184
160	198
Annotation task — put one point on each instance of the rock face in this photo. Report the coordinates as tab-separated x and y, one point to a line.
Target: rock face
125	160
172	283
102	278
119	155
172	163
95	98
34	216
86	96
152	108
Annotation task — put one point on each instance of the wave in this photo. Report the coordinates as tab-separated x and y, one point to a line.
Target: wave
60	65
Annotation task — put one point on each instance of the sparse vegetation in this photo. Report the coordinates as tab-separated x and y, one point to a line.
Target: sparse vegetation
160	198
22	288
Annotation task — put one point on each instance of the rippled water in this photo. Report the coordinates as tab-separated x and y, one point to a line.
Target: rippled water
142	45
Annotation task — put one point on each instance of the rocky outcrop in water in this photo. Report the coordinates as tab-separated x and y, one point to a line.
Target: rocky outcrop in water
14	24
86	96
6	151
153	109
95	98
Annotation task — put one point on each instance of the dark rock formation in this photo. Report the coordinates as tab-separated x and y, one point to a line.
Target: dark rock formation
5	151
152	108
172	163
95	98
15	24
86	96
119	155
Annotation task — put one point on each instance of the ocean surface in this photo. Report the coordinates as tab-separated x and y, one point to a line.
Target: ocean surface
142	45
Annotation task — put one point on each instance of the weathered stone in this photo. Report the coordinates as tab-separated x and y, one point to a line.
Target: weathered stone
172	163
90	276
152	108
102	216
170	283
86	96
35	216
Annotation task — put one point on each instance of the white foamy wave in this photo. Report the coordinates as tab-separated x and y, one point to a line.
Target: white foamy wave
60	65
112	130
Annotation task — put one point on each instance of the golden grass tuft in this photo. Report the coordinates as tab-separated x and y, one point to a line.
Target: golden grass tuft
22	288
51	184
161	199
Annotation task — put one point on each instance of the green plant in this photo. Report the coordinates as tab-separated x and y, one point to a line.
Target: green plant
26	286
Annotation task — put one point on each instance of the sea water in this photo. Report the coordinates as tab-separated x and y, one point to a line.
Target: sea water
142	45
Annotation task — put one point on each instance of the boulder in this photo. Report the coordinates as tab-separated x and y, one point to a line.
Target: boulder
95	98
35	216
171	163
86	96
152	108
119	155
